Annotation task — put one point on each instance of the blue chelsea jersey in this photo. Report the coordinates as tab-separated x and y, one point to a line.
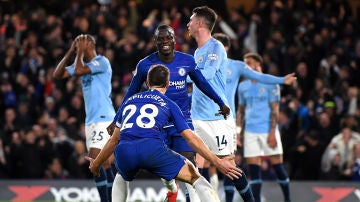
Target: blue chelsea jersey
96	88
182	65
144	115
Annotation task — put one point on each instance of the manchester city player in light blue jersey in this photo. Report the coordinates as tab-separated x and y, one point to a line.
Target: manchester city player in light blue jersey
137	142
211	59
259	113
235	70
95	72
181	65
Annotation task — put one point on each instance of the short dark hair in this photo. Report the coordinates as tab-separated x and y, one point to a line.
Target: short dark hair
164	27
254	56
208	14
223	38
158	75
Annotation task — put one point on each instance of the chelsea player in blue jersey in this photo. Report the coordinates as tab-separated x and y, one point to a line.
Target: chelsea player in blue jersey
211	59
258	114
181	65
95	75
140	121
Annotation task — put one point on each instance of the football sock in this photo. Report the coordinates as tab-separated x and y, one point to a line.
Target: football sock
205	173
192	194
242	186
229	189
283	180
110	180
120	189
101	185
170	185
255	182
214	181
205	190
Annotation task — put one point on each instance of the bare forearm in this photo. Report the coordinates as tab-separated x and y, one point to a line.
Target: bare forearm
108	149
274	115
198	145
60	68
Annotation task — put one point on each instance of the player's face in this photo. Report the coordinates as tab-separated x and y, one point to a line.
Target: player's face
165	42
253	64
193	25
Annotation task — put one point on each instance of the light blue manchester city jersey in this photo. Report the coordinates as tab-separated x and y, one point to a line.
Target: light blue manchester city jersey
257	98
97	89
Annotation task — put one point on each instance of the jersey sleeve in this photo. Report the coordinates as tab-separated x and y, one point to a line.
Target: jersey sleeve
200	81
274	93
213	60
71	70
99	64
241	99
260	77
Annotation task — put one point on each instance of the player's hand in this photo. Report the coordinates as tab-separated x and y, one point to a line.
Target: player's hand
110	129
228	167
81	43
290	78
224	110
272	139
95	170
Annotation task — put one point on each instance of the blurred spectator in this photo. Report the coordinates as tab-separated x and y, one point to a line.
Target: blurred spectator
55	170
77	165
339	154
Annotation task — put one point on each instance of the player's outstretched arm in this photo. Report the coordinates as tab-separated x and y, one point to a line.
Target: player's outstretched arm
104	154
290	78
225	165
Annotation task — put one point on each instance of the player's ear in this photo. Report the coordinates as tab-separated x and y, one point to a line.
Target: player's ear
167	84
147	84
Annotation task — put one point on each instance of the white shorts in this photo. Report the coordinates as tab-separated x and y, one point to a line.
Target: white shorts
255	144
219	135
97	135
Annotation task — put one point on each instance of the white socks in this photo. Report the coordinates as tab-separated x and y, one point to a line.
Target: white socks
214	181
205	190
120	189
170	185
194	197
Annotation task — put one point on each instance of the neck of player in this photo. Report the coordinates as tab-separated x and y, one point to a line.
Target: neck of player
158	88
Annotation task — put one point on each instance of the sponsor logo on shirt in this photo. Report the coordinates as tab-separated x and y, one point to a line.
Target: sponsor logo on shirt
212	56
178	84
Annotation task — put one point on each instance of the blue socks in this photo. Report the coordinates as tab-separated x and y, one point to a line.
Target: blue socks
229	189
110	179
101	185
205	173
243	188
283	180
255	182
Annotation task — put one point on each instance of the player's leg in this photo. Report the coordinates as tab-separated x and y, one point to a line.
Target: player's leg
254	165
189	174
120	190
219	137
96	138
214	179
100	181
276	159
180	145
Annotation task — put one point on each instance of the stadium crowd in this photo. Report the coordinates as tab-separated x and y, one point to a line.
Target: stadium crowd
42	120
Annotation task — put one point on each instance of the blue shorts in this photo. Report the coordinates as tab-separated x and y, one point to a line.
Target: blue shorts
175	141
150	154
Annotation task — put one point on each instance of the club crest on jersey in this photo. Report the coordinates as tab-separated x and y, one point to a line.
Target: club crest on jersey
262	90
200	59
212	56
182	71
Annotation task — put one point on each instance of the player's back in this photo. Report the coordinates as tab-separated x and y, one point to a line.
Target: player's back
144	115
